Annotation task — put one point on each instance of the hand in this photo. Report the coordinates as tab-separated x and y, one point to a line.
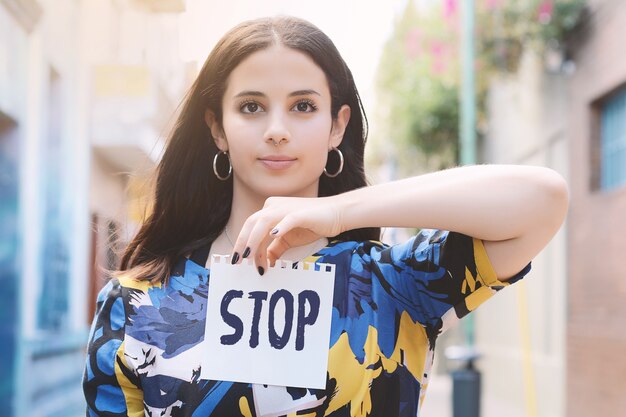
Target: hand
283	223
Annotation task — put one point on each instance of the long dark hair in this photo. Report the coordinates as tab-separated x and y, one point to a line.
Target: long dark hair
191	206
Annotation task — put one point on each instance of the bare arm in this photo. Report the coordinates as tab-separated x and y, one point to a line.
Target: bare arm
514	209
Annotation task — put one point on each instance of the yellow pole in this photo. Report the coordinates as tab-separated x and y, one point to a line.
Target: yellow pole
527	362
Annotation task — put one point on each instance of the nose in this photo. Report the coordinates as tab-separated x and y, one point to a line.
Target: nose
277	130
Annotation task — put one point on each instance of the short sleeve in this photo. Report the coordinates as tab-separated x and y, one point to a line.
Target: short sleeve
109	386
441	276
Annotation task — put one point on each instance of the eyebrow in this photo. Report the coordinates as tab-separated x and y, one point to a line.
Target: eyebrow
260	94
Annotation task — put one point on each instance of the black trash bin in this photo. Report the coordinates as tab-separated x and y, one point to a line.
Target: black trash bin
465	382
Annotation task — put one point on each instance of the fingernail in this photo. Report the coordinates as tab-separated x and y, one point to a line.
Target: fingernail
246	252
235	258
261	270
274	231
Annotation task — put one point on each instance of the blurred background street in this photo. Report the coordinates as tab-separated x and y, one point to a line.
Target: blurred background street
89	90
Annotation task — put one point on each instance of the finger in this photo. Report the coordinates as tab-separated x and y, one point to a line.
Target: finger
260	259
279	244
258	240
276	249
284	226
240	249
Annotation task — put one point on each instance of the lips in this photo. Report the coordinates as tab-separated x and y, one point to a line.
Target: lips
277	162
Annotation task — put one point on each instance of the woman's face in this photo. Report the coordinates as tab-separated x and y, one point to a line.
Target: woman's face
277	123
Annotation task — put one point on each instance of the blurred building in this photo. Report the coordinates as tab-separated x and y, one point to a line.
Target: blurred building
527	125
564	356
43	218
136	80
86	93
596	333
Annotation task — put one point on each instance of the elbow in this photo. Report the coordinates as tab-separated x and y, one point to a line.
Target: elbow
556	197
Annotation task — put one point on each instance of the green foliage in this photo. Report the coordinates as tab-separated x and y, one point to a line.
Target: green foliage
418	89
419	75
505	31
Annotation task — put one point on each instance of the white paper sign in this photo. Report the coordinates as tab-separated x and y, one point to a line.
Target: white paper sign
272	329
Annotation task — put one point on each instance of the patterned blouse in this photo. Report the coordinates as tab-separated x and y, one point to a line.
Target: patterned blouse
390	303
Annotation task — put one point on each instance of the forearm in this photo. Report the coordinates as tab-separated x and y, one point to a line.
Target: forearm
489	202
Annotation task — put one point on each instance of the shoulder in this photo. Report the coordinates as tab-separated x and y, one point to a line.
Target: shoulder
110	309
427	247
119	296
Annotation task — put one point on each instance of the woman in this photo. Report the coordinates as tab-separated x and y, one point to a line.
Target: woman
266	162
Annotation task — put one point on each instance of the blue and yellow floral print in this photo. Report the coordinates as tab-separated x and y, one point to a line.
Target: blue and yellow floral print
390	304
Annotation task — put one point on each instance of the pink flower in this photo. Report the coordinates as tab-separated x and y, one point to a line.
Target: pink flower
413	43
437	48
449	8
439	53
545	11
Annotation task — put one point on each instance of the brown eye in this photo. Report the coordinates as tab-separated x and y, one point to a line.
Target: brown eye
250	108
305	106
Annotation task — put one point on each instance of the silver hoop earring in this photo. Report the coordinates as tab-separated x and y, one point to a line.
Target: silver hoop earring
230	166
340	164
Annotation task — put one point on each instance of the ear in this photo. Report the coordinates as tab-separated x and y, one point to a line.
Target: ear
216	130
339	126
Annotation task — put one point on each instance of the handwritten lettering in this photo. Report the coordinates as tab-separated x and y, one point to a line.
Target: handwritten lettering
307	313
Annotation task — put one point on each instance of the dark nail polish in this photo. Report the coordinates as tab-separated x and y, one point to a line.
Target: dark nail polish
235	258
261	270
246	252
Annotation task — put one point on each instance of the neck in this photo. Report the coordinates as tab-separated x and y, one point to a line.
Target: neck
246	202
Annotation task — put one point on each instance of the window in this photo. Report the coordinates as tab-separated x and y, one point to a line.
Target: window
53	306
613	140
